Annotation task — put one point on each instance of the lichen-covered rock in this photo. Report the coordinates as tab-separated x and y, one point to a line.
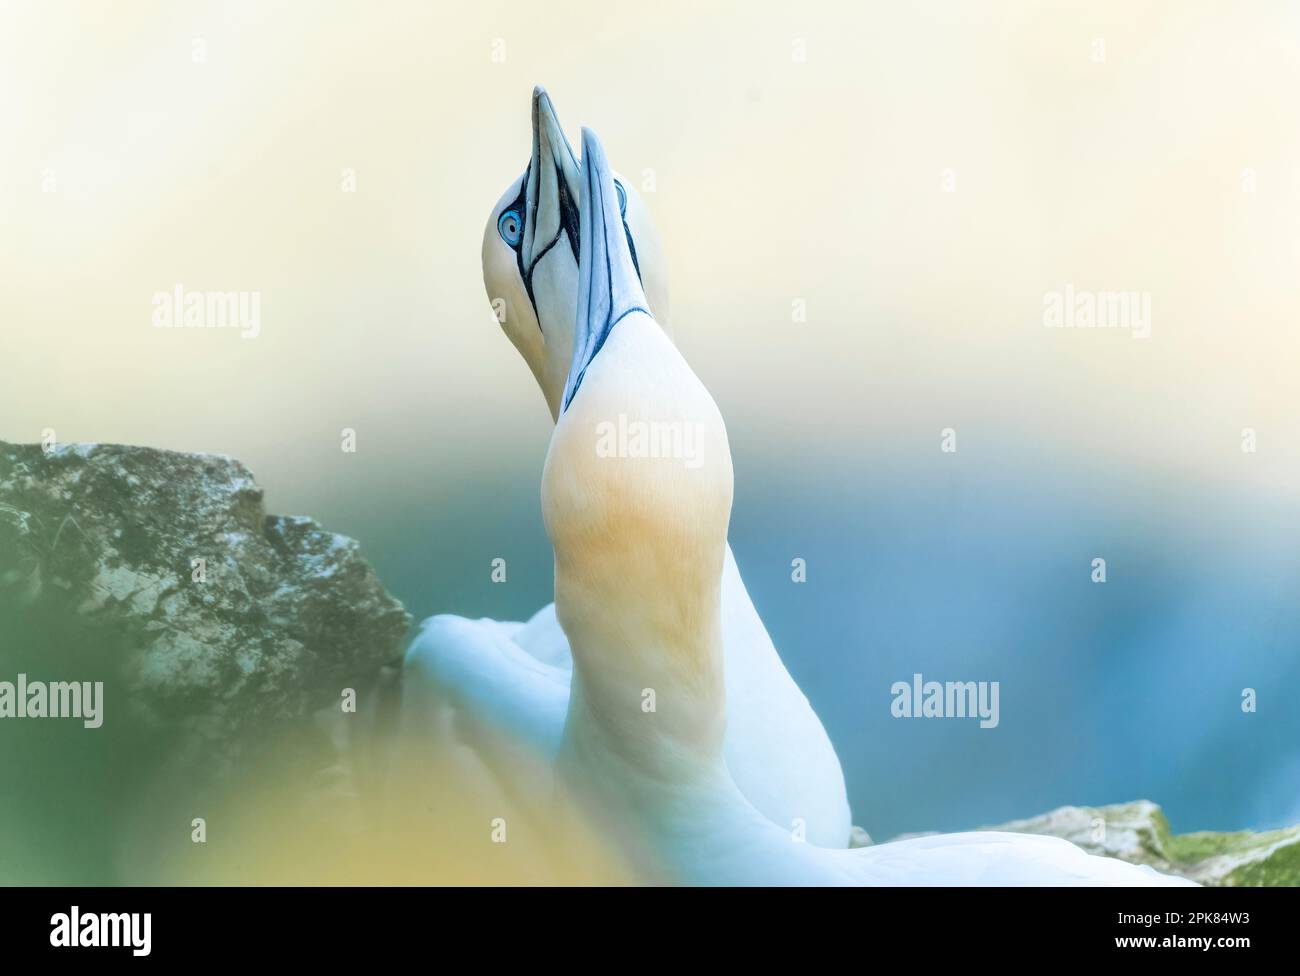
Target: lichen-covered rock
1139	833
220	619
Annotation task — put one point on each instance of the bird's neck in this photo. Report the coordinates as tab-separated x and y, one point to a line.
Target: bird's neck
647	702
639	548
554	370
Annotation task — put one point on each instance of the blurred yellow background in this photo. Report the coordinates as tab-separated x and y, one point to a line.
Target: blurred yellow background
775	179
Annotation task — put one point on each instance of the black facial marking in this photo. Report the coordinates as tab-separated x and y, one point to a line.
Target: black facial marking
568	212
520	206
568	227
631	246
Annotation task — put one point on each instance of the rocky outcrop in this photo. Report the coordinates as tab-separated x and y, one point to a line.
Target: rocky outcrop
212	618
1139	833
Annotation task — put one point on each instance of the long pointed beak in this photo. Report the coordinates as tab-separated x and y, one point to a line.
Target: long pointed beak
552	194
609	287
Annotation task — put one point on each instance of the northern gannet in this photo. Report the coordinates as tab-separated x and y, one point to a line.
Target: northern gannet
530	253
639	549
511	681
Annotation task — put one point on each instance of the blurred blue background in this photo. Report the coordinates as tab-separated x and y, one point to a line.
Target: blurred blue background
967	567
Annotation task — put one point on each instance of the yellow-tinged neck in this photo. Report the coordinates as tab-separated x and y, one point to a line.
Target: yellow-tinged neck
637	496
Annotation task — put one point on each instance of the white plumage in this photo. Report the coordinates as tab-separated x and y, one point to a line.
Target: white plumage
705	787
512	679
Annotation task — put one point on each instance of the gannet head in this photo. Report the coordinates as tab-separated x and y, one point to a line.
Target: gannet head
636	497
530	253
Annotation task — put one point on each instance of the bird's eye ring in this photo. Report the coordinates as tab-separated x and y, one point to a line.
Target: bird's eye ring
511	227
622	198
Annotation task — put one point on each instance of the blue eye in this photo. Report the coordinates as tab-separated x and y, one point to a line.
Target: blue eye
511	227
622	198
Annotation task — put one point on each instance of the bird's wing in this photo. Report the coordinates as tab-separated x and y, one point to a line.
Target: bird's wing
472	757
543	638
501	693
995	858
777	749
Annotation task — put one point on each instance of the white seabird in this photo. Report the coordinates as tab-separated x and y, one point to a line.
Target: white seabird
640	545
510	682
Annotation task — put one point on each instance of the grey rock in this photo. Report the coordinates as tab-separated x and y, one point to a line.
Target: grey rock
214	619
1139	833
